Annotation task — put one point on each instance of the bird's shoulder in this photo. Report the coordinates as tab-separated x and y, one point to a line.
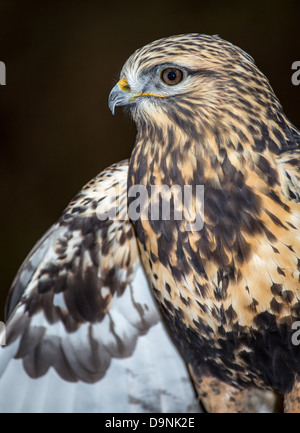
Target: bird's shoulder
84	277
81	319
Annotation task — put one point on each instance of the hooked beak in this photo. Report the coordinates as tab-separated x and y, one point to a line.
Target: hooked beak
121	94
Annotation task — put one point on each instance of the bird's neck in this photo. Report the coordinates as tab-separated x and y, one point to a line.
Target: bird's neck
214	154
181	156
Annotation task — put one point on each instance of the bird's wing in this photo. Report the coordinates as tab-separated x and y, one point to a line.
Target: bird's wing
83	333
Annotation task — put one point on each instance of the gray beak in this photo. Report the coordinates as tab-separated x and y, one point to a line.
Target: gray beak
118	97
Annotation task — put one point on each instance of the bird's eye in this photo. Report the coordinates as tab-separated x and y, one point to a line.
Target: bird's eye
171	76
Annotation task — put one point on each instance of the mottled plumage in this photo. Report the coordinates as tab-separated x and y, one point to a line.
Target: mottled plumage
230	291
83	333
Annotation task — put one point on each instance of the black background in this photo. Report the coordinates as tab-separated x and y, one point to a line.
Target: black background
63	57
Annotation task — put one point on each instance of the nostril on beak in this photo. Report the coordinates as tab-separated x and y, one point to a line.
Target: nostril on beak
123	83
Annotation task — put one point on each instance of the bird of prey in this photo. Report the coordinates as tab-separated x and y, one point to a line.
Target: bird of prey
229	289
80	311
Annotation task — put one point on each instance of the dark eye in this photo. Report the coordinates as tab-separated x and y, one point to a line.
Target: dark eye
171	76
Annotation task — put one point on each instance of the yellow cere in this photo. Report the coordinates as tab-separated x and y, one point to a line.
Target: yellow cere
123	83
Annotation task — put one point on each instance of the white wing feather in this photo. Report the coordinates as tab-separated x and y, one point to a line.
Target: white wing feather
83	332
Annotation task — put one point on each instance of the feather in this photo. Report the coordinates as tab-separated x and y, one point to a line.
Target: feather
83	332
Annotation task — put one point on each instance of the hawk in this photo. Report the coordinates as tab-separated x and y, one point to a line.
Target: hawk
80	312
229	291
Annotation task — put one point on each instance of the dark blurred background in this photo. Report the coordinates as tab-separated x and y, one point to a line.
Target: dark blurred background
63	57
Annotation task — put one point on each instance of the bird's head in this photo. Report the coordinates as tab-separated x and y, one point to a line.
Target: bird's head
204	86
189	72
